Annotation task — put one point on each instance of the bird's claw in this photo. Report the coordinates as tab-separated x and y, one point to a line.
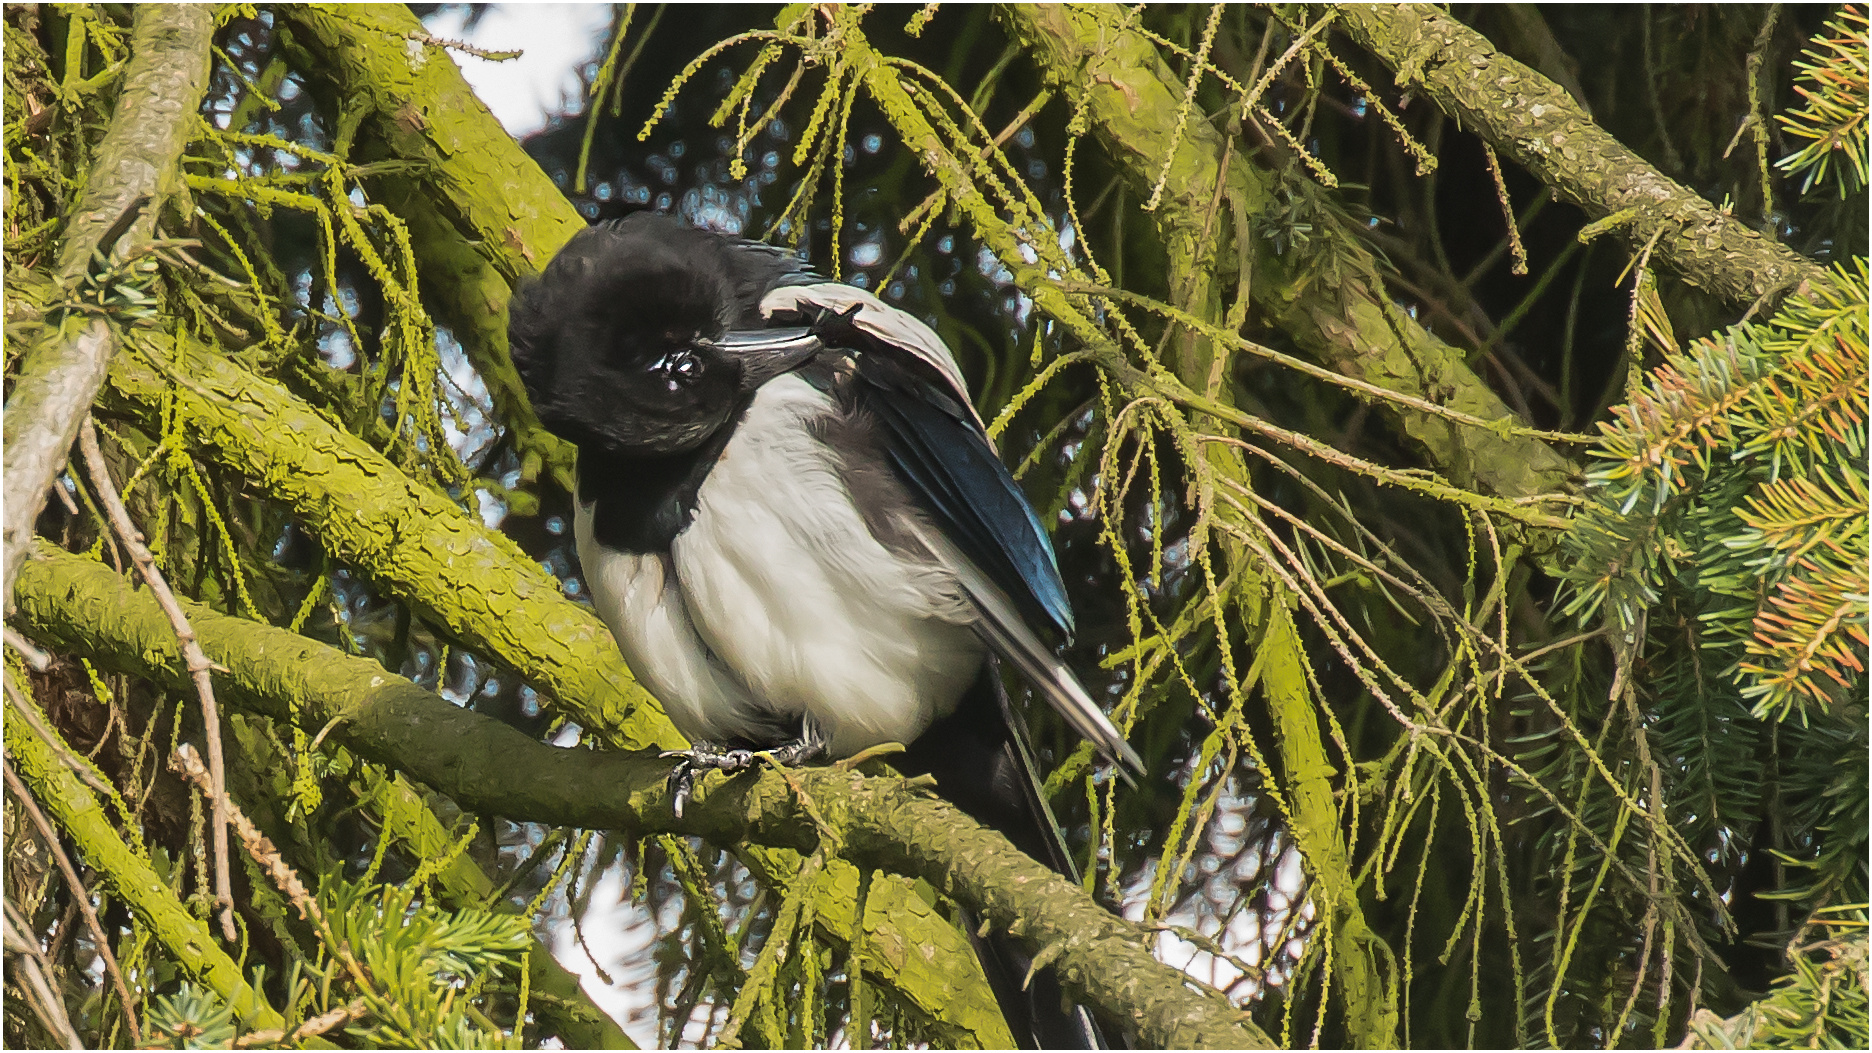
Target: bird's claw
707	757
703	757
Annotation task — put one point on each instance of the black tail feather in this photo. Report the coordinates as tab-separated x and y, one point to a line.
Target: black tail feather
981	765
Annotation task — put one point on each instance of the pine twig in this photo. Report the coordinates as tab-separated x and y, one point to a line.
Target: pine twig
80	894
198	664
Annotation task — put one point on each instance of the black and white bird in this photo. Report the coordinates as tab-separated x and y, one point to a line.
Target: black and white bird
792	520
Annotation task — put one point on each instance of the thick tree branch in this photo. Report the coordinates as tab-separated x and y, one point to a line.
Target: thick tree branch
78	813
83	607
481	212
414	98
1534	121
409	539
474	239
1334	307
135	169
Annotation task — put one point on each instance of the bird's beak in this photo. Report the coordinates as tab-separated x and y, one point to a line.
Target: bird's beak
766	353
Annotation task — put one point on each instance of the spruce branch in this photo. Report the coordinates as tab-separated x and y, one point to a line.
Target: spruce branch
1832	120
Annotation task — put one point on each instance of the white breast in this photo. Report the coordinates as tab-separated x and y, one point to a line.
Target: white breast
637	596
777	600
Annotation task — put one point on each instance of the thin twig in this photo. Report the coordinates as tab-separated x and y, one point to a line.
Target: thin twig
38	661
318	1025
46	1005
79	893
65	498
1515	248
199	667
186	762
1013	127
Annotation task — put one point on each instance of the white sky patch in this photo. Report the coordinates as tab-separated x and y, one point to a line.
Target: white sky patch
620	934
556	39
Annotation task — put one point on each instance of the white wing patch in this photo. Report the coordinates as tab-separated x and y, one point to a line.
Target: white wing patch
880	320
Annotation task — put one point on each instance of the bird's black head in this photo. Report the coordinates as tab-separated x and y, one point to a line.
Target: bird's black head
628	342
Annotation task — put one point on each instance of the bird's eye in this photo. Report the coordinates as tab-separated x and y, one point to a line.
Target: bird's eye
677	368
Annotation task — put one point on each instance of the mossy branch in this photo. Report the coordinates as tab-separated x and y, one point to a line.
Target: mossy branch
481	212
474	241
475	583
417	103
134	174
77	811
82	607
1534	121
408	539
1336	310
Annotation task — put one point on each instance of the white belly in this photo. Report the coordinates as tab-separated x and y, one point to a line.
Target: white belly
777	602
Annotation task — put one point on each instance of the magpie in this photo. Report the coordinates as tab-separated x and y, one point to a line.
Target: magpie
791	518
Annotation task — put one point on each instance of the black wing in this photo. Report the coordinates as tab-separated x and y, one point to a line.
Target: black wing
986	533
938	449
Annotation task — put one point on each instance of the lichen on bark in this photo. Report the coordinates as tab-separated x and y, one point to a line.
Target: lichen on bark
83	607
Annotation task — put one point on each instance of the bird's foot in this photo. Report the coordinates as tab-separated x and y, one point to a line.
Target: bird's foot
707	756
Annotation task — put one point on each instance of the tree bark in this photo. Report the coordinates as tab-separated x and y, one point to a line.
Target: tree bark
1535	122
407	538
1334	306
82	607
135	169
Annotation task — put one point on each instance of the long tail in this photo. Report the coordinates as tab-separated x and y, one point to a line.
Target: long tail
981	764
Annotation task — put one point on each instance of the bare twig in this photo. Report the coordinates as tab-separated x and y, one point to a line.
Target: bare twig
65	499
46	1004
36	659
199	667
318	1025
184	761
80	894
